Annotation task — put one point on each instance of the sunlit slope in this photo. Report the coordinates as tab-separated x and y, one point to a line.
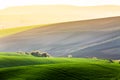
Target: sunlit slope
89	38
10	59
15	66
47	14
11	31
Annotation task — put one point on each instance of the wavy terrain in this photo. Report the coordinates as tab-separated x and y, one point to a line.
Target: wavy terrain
14	66
87	38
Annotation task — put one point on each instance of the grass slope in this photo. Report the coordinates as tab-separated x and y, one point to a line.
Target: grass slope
22	67
10	31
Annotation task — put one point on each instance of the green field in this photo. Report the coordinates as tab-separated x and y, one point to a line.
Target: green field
10	31
15	66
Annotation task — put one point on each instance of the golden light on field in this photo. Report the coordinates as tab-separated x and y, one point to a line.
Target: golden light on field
8	3
15	13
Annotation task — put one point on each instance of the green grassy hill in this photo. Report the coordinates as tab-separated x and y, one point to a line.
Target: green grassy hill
15	66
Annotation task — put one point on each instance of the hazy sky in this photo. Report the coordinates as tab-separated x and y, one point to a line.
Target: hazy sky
8	3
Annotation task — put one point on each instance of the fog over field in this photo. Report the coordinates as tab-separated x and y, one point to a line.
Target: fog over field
49	14
87	38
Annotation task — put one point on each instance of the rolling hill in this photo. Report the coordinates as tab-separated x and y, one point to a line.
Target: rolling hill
47	14
87	38
14	66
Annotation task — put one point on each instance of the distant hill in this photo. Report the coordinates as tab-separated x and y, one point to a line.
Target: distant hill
87	38
47	14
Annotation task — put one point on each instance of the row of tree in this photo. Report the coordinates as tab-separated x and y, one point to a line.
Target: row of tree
36	53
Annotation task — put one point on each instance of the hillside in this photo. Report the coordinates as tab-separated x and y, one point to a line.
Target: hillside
47	14
11	31
22	67
87	38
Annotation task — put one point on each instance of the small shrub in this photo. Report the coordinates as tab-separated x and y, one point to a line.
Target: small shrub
69	56
119	62
94	58
40	54
36	53
21	52
110	61
44	54
27	53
